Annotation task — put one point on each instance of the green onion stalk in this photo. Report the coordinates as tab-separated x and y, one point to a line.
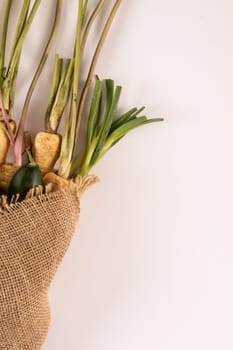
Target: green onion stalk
104	130
104	127
75	107
18	146
8	73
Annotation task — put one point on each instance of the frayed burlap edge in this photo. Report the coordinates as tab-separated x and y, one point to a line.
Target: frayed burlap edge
77	185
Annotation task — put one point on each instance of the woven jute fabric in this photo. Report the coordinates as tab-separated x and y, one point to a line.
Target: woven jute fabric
34	236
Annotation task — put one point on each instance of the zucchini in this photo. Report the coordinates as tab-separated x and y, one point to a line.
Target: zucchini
28	176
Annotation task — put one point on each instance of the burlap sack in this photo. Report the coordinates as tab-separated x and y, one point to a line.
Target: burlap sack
34	236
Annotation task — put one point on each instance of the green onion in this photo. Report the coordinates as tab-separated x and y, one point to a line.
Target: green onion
8	80
59	95
57	71
75	112
112	99
130	115
4	37
110	131
18	146
94	112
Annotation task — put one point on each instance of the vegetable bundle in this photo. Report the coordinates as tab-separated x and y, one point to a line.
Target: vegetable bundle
41	187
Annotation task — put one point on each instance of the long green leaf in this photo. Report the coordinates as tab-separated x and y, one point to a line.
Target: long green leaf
109	83
107	122
21	23
20	131
57	71
8	86
94	111
96	55
69	137
3	41
131	114
120	132
90	23
62	94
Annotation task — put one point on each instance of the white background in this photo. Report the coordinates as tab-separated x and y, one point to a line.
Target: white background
150	266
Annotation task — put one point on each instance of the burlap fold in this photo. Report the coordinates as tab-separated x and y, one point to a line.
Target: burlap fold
34	236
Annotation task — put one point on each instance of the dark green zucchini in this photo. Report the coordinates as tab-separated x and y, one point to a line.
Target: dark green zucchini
27	177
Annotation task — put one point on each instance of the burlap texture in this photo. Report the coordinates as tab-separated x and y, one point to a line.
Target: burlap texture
34	236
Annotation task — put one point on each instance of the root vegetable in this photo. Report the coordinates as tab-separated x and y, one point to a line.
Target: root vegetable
4	140
47	150
7	171
57	181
